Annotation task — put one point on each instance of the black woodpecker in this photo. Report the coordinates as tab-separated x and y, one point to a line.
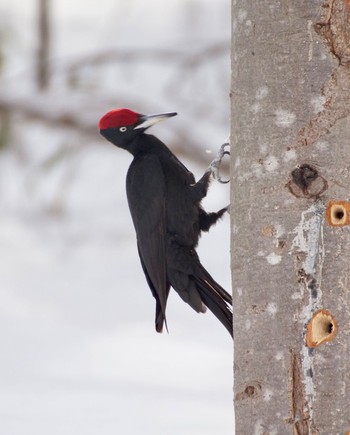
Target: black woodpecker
165	204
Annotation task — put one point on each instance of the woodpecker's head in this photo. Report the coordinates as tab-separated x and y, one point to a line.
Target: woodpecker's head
122	126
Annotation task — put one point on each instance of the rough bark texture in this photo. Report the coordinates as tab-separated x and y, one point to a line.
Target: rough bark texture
290	156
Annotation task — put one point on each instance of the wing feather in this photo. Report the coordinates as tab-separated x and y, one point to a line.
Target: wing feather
149	217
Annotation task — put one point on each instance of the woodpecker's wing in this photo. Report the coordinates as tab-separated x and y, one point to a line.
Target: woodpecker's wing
145	187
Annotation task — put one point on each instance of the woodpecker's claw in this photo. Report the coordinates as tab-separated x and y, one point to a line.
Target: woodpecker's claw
214	166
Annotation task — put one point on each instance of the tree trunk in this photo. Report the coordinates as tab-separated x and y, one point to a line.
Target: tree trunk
290	165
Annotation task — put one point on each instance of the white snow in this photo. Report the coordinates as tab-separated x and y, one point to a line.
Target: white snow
241	15
279	356
273	259
284	118
267	394
317	103
262	92
271	163
272	308
255	108
289	155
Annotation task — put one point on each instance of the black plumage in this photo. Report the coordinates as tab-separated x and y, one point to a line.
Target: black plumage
164	201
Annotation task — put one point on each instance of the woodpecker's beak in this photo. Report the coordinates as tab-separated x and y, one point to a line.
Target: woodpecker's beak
146	121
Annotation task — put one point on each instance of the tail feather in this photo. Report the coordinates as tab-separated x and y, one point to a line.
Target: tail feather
160	319
215	298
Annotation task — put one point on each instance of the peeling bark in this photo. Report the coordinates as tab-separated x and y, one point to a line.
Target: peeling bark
300	420
290	166
334	28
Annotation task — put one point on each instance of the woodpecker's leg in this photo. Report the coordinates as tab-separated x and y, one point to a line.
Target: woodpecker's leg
214	166
206	220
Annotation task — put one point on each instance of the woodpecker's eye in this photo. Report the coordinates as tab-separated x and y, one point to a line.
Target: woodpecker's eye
122	129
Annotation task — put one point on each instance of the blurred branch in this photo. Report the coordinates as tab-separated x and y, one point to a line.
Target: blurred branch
206	54
65	113
42	72
186	58
44	107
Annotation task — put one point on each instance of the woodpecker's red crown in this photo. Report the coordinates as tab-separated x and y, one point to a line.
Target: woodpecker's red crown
118	118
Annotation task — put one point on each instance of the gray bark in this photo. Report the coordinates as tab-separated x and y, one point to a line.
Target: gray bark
290	157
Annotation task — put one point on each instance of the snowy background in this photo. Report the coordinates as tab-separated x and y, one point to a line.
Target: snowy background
79	353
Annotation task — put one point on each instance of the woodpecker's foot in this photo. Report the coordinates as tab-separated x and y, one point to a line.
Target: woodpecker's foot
214	166
206	220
